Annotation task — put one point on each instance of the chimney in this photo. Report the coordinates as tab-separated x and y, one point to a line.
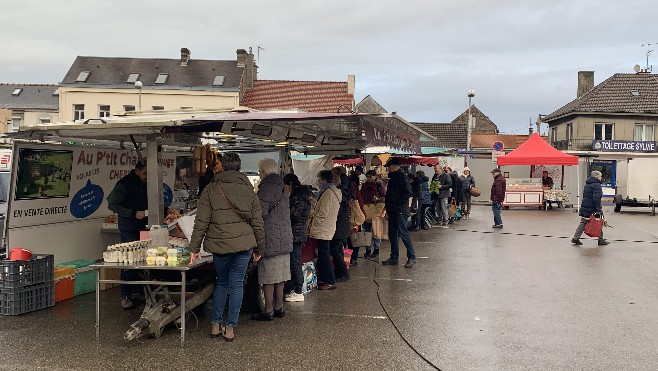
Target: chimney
585	82
250	70
242	57
184	56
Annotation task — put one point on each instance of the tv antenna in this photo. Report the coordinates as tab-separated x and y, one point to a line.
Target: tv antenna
648	53
258	49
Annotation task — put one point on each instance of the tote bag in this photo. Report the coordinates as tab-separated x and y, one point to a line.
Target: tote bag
373	210
594	226
361	239
475	192
356	215
380	227
453	209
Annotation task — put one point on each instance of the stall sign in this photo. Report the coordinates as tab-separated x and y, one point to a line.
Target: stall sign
624	146
391	133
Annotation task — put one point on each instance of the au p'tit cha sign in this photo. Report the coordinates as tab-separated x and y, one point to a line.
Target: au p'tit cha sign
623	146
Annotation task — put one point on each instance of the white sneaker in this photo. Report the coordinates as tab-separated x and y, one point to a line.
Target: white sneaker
294	297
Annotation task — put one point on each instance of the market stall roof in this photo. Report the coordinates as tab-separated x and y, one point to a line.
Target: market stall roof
240	129
348	161
535	151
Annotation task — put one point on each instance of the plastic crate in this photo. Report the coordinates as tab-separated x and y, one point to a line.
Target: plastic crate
85	278
64	288
20	273
27	299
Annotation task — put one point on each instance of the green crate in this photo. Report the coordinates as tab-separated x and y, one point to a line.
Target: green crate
85	278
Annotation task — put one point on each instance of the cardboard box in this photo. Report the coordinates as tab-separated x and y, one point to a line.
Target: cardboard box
109	274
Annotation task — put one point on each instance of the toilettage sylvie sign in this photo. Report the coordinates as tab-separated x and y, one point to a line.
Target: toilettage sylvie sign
623	146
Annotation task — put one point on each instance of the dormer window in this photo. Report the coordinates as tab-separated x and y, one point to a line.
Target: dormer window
635	93
132	78
83	76
17	92
219	81
162	78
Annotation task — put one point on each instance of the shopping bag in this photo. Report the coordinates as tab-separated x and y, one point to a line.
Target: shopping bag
361	239
347	257
373	210
380	227
458	213
309	250
475	192
594	226
453	209
310	277
356	215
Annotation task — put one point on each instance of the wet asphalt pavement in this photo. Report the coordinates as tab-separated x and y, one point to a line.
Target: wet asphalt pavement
521	298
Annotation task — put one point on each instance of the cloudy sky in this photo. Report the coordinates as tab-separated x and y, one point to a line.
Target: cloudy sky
416	57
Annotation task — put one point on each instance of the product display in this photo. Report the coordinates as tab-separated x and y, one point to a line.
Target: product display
524	192
127	252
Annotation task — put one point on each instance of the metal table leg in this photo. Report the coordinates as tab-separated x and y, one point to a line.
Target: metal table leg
182	309
98	306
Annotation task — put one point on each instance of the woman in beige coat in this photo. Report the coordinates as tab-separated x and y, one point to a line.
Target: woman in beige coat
323	227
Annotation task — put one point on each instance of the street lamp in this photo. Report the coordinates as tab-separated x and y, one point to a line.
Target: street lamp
471	94
138	85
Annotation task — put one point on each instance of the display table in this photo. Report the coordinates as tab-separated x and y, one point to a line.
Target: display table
559	196
143	266
524	192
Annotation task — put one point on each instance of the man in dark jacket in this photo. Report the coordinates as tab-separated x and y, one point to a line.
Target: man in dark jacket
591	204
129	201
497	197
416	193
397	209
440	189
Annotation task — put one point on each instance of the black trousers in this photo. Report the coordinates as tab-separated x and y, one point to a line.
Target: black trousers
336	251
296	266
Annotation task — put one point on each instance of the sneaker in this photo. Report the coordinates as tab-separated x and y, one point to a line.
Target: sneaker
126	303
390	261
294	297
497	226
410	263
603	242
576	241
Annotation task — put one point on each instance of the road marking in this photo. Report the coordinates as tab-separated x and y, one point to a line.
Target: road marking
345	315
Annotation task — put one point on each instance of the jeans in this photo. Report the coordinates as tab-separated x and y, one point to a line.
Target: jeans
496	207
367	226
296	266
231	269
581	229
128	274
441	207
323	265
397	226
466	208
338	257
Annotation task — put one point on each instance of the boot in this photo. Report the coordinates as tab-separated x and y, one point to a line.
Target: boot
228	333
215	330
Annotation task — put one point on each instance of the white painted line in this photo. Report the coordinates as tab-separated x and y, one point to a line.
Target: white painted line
394	279
422	257
345	315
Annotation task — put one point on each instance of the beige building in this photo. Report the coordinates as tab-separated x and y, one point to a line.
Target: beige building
27	104
96	87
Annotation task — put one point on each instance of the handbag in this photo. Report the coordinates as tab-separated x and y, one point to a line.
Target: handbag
361	239
380	227
373	210
475	192
309	250
594	226
453	208
357	217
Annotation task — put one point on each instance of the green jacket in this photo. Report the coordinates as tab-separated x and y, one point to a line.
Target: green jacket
222	229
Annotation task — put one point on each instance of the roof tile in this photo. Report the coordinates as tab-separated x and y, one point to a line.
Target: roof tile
310	96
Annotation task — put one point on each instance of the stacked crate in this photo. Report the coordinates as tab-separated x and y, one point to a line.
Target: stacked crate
85	277
26	286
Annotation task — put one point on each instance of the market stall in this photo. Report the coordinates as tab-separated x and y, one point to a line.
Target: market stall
529	191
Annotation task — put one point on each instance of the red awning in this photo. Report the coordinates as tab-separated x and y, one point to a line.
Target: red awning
535	151
419	160
348	161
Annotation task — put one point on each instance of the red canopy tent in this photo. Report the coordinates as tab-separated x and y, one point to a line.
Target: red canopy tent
348	161
535	151
418	160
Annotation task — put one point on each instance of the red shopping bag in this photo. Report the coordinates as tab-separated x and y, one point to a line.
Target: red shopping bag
309	250
594	226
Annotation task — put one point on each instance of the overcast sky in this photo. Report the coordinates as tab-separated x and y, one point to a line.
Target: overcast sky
416	57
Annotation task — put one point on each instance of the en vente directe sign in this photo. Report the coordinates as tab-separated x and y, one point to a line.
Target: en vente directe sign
624	146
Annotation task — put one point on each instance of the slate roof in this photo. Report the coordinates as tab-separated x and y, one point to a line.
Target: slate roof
510	141
32	97
369	105
483	123
113	72
448	135
309	96
614	96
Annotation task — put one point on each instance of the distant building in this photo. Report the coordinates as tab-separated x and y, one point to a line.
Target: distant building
454	135
27	104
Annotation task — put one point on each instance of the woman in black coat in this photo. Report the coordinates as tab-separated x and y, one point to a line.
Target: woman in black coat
301	203
457	193
342	225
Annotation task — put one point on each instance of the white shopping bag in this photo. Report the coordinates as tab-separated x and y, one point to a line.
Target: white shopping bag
186	224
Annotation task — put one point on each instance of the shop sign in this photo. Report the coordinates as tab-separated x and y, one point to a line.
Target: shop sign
623	146
391	132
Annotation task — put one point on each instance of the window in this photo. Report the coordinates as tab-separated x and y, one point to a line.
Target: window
133	78
83	76
17	92
162	78
157	108
78	112
643	132
104	111
56	92
569	133
128	108
16	121
604	131
187	108
44	120
553	135
219	81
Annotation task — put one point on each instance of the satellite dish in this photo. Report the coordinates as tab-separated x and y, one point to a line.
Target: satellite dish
637	68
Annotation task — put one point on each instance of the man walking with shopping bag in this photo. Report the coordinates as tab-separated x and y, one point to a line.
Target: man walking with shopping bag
397	208
591	204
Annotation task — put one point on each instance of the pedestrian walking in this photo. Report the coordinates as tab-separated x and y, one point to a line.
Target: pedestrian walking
497	197
591	204
397	208
468	182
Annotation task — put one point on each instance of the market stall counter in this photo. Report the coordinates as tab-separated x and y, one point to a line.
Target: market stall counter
524	192
558	196
155	316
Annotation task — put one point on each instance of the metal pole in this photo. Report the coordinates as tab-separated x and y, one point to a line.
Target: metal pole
140	100
98	305
182	308
471	94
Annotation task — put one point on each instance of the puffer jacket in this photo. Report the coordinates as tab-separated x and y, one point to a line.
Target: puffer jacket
399	191
467	183
498	189
275	205
325	214
222	229
300	211
426	198
443	184
592	193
